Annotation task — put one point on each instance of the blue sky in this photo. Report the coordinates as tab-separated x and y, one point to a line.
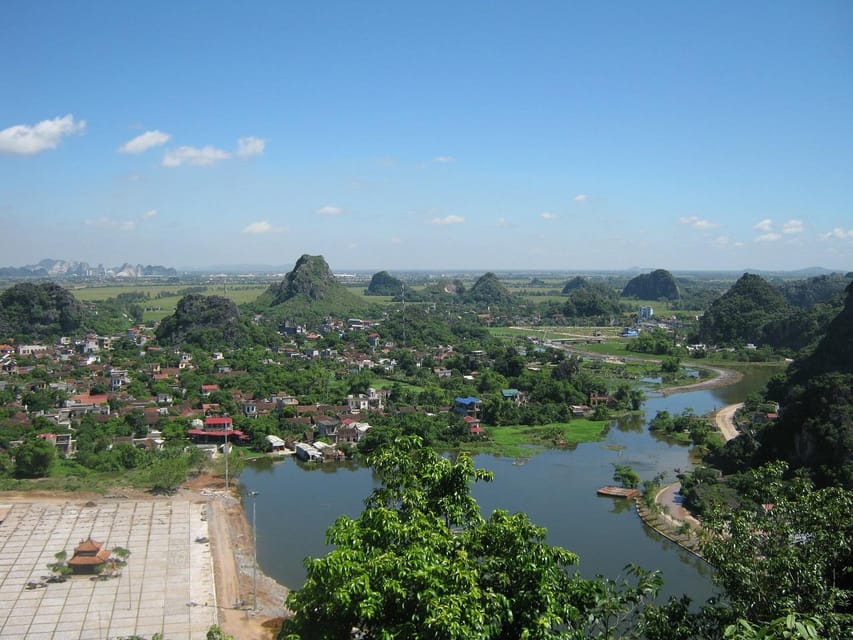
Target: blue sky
439	135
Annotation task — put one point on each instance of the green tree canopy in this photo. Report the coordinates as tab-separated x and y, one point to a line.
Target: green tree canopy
421	562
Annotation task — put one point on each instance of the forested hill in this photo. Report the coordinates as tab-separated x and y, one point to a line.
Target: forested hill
384	284
817	290
488	290
38	312
740	315
204	321
834	353
815	426
309	292
657	285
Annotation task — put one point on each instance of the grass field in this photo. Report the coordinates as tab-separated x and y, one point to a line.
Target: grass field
240	294
520	441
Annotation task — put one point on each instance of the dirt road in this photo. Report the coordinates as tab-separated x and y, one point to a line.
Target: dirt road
726	421
231	547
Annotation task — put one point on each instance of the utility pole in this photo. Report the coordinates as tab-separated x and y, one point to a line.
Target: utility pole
254	495
226	462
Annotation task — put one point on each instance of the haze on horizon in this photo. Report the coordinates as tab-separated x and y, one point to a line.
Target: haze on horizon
442	135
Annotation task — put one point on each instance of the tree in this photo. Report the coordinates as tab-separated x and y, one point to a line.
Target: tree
626	476
34	457
167	473
119	558
792	552
421	562
60	568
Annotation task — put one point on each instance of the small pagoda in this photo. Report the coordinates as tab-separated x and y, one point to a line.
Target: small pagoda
88	556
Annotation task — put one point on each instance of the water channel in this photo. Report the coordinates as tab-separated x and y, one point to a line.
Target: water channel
556	488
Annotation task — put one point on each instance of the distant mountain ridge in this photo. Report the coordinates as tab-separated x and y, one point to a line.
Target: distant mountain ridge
51	268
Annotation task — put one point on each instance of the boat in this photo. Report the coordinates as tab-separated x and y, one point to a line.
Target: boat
618	492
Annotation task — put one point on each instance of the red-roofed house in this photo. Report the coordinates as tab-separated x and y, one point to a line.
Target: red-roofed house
216	428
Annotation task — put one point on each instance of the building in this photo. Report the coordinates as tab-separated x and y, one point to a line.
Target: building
88	557
467	406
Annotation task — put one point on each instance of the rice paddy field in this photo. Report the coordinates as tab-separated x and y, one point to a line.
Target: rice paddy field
157	308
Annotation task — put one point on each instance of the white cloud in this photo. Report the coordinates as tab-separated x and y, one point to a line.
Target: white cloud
547	215
581	197
151	213
329	210
444	159
105	222
47	134
838	234
720	241
250	146
448	220
765	225
502	222
768	237
260	228
698	223
202	157
145	141
792	226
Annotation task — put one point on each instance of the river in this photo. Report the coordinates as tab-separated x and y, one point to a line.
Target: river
556	488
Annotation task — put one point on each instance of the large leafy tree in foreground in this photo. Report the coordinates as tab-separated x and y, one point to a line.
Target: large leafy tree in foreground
792	553
421	562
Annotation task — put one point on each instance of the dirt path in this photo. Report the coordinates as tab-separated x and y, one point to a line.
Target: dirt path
725	419
232	549
670	499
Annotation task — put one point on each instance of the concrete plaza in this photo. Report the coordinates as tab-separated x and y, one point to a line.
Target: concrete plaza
167	586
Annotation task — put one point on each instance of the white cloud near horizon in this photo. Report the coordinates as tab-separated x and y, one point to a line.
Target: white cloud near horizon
260	228
105	222
447	220
765	225
329	210
838	234
24	139
547	215
250	146
769	237
581	197
698	223
145	141
200	157
151	213
792	226
444	159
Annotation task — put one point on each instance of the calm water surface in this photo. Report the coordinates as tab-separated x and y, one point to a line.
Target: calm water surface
296	504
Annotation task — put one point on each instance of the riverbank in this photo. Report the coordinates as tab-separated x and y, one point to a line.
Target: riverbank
724	377
670	518
232	547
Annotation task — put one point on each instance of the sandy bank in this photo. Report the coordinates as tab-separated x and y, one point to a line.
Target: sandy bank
232	546
724	378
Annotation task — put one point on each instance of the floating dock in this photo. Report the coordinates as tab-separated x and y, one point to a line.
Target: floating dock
618	492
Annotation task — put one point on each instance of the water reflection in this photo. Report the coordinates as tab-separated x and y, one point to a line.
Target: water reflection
556	488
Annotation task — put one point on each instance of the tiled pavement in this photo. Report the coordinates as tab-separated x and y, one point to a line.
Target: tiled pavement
167	586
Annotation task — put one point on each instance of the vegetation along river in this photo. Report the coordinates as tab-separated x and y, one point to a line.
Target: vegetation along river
557	489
